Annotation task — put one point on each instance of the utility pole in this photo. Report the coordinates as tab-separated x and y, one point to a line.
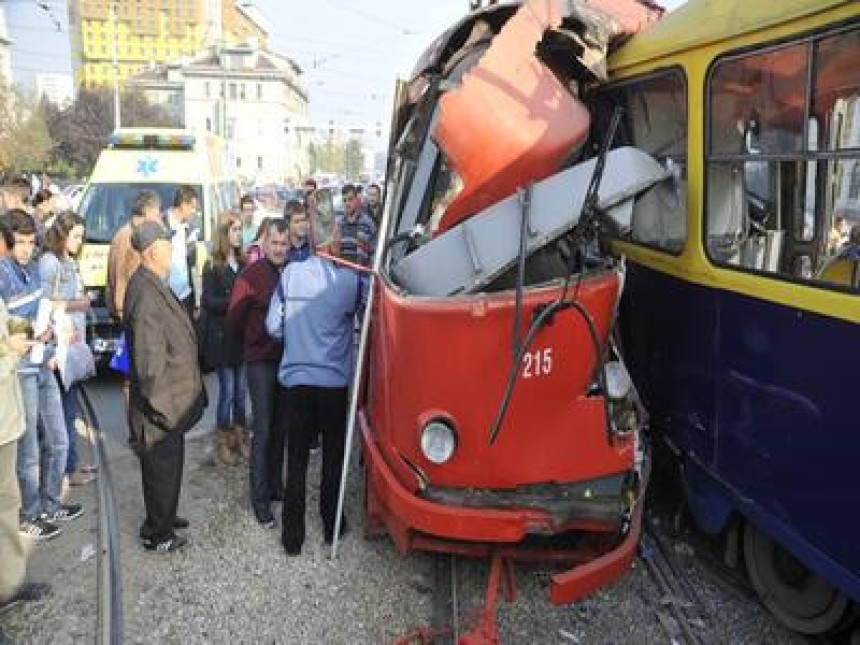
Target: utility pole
222	63
117	120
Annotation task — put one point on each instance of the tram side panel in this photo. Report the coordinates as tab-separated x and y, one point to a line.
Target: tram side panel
789	433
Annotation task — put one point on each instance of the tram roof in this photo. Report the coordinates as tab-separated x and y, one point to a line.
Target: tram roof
699	23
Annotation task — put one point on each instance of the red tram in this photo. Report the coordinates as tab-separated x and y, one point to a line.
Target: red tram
497	417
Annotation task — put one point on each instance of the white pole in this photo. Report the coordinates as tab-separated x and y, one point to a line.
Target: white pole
117	120
359	367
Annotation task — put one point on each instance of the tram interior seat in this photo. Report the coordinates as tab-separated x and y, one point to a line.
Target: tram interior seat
841	269
733	236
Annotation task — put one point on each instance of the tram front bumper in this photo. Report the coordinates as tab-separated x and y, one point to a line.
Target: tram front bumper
416	523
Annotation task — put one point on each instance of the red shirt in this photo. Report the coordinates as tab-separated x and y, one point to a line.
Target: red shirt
246	314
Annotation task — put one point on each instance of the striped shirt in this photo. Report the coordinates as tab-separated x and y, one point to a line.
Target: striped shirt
357	238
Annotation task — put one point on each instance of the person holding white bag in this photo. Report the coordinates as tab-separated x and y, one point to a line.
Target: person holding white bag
41	460
61	283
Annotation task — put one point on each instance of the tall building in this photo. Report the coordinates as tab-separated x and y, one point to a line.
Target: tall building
146	33
252	97
5	50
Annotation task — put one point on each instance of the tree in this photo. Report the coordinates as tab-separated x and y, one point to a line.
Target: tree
353	160
328	157
81	131
313	161
24	138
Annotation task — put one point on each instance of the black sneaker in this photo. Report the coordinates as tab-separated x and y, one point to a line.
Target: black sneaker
27	592
39	529
265	519
173	543
178	523
292	548
65	513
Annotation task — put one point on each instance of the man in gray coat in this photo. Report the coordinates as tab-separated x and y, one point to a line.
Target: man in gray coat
167	397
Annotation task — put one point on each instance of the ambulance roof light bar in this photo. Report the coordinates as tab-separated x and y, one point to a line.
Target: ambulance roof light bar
142	141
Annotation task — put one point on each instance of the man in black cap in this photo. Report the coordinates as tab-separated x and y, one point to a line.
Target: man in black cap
167	397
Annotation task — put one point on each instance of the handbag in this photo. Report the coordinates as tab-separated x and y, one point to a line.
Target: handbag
77	365
75	360
119	360
203	327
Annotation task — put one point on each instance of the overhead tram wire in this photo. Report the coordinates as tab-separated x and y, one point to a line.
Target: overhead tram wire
375	19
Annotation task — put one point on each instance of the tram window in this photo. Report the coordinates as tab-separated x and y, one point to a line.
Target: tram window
836	90
447	184
777	202
655	120
757	103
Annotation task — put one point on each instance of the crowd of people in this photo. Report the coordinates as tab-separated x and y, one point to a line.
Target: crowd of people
42	321
275	320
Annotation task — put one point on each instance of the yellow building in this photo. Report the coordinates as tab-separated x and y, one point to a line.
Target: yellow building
149	32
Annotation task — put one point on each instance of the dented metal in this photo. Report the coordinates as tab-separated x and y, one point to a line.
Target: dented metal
472	254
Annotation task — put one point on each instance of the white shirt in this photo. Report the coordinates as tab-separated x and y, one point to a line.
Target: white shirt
179	280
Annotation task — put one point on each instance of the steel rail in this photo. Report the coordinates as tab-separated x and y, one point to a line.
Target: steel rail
109	616
674	590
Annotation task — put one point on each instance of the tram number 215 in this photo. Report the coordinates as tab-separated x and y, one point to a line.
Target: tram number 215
537	363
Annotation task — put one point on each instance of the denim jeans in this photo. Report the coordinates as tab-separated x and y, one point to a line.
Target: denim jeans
71	413
41	480
267	441
232	391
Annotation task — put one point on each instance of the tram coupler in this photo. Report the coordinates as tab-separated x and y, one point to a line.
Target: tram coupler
501	576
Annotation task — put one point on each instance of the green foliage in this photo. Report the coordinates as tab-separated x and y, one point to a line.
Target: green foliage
345	160
81	131
24	138
353	160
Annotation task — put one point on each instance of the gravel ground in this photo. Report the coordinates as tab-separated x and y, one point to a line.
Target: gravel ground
68	563
233	583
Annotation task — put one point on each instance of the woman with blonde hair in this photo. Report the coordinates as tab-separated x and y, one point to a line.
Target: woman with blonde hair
220	349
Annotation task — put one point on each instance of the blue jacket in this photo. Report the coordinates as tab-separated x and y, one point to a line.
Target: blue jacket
21	290
313	311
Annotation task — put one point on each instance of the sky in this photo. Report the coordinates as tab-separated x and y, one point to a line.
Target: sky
351	52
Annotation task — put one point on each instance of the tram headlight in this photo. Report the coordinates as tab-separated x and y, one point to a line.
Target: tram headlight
618	382
438	441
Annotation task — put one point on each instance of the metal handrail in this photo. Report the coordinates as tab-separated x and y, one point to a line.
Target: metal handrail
110	628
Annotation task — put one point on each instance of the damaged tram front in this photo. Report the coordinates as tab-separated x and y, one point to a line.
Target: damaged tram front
498	417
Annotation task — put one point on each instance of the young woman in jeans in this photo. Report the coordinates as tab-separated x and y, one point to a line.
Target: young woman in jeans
62	284
220	348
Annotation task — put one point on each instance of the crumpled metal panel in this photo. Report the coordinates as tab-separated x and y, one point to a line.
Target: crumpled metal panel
512	121
472	254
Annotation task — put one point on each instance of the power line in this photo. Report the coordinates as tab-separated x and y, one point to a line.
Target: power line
375	19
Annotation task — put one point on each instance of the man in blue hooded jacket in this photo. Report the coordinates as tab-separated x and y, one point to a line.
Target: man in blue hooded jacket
313	310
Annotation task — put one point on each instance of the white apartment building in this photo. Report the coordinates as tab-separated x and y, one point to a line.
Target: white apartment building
251	96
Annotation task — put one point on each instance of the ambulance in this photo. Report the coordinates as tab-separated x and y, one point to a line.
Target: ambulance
160	160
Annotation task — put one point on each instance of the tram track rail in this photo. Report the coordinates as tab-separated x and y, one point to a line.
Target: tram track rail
109	629
681	612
